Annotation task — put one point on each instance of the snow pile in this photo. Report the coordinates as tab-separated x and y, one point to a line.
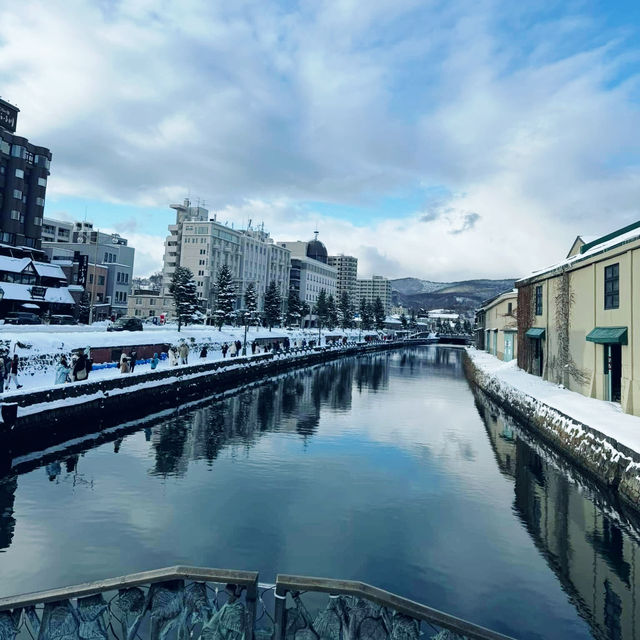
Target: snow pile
595	433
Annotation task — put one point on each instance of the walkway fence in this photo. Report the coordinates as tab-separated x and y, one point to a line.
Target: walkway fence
184	603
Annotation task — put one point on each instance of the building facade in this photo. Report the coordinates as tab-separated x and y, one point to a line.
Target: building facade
372	288
576	320
108	250
24	169
149	303
347	276
57	230
497	326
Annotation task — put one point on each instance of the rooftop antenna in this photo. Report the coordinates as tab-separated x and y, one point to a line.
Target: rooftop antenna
315	233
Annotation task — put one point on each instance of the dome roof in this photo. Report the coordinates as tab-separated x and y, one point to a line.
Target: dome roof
317	251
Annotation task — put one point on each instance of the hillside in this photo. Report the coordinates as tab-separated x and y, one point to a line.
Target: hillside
460	296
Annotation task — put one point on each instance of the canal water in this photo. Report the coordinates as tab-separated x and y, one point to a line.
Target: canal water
386	468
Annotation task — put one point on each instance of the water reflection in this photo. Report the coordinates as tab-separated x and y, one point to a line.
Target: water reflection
590	546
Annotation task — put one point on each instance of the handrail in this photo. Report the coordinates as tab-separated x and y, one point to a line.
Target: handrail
286	583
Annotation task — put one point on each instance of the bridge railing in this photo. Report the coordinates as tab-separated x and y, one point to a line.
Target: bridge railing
186	603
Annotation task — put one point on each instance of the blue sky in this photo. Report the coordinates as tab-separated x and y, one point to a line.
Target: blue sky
437	140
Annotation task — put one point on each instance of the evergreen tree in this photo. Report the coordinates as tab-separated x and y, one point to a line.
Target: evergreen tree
321	308
379	314
250	304
366	316
413	322
225	296
83	308
294	308
332	318
345	310
403	320
272	304
185	296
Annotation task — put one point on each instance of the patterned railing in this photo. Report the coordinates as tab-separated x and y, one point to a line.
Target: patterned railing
184	603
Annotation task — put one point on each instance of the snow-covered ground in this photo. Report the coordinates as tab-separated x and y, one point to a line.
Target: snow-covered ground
605	417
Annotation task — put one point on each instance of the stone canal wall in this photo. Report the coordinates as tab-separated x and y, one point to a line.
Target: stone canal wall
607	461
50	417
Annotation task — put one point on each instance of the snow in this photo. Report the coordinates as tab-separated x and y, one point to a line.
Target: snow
600	415
13	291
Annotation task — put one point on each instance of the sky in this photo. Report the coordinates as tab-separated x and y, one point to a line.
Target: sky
439	140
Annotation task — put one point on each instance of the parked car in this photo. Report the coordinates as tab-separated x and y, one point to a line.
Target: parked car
61	319
126	324
21	317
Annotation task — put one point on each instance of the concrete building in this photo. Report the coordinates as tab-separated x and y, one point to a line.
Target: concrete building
347	267
149	303
57	230
372	288
204	245
576	319
310	271
24	169
497	326
108	250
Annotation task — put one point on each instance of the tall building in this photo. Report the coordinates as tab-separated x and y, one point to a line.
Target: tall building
347	267
372	288
110	250
204	245
24	169
310	271
56	230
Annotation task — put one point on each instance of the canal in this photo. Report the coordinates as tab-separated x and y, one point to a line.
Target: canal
387	469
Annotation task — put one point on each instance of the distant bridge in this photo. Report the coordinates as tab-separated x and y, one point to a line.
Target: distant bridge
443	338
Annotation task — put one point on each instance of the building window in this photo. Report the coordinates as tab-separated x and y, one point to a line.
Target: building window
17	194
37	221
42	182
510	308
612	286
91	278
100	279
15	214
539	300
19	173
40	202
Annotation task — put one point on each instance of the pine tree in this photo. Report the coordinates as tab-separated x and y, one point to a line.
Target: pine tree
379	314
366	317
413	322
83	308
250	304
272	304
332	319
185	296
403	320
225	296
294	308
346	311
321	308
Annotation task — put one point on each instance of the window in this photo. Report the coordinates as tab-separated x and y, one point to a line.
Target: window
42	182
37	221
539	300
19	173
510	308
100	279
91	278
152	302
17	151
17	194
612	286
15	214
40	202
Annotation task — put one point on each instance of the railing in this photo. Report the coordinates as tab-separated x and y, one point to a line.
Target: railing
181	603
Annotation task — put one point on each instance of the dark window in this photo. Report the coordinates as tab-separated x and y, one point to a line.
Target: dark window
539	300
612	286
509	308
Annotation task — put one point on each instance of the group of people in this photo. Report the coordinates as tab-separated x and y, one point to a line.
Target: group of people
233	349
77	369
178	355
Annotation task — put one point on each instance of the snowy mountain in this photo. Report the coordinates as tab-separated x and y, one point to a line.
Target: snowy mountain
459	296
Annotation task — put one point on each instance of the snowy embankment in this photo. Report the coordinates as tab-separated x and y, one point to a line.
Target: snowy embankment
40	347
595	434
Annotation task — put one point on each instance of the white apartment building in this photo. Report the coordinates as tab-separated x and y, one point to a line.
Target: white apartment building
375	287
56	230
347	267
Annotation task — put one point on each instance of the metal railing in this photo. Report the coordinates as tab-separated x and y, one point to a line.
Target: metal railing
215	604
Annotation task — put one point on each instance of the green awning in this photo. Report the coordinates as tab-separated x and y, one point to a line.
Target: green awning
608	335
537	333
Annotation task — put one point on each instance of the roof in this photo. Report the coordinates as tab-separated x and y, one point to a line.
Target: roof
13	291
47	270
13	265
604	243
505	295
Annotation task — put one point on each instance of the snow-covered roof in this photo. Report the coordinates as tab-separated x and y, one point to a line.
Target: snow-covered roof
505	295
14	291
609	241
47	270
13	265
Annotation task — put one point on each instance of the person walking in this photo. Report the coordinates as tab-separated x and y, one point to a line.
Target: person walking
173	356
133	355
5	366
232	350
184	353
62	371
79	369
224	348
13	372
124	363
154	361
238	346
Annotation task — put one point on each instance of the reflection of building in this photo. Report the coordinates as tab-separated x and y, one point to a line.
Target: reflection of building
8	488
375	287
24	169
583	541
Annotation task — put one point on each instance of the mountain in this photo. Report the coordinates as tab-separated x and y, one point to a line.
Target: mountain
460	296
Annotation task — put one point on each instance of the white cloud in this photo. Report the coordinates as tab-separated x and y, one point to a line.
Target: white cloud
533	127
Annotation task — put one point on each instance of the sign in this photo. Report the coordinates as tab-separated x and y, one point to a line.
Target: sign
38	292
83	268
8	116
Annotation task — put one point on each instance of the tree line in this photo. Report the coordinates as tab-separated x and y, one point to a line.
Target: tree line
329	312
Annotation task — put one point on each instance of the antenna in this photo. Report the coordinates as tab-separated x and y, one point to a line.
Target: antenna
316	234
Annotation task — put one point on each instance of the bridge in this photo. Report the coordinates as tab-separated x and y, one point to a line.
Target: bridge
443	338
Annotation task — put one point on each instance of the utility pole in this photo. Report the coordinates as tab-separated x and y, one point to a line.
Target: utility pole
95	277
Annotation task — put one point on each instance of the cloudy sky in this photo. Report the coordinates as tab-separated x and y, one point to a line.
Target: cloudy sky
442	140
